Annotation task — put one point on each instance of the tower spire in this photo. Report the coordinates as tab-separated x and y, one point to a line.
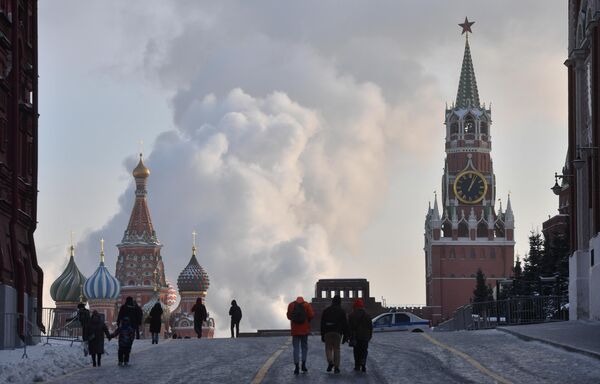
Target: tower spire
193	243
72	247
102	251
467	95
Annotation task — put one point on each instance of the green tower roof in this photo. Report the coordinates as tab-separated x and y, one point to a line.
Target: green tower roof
467	95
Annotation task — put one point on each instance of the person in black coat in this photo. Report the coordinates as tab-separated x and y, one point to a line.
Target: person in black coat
200	316
133	312
83	317
236	316
155	321
334	329
95	335
361	331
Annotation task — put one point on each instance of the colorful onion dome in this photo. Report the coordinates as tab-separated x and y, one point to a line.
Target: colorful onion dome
102	285
141	171
171	295
193	278
68	286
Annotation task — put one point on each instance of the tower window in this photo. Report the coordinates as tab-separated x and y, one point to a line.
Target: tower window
469	125
454	128
483	128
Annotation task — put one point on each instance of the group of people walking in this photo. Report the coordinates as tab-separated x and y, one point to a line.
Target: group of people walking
336	329
129	321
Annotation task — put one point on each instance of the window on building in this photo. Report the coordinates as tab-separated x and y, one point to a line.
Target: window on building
483	128
323	294
351	294
482	230
360	293
342	294
331	293
463	229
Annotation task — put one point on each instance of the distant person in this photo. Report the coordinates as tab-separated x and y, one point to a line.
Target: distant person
96	331
133	312
126	334
299	312
200	316
334	329
361	331
236	316
155	322
83	317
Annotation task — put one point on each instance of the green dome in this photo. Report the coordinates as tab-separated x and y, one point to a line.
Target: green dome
68	285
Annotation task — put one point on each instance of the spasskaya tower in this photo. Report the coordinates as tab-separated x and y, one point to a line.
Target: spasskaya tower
468	232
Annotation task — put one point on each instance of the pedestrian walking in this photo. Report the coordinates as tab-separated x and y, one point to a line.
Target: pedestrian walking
334	330
200	316
300	313
361	331
96	331
133	312
83	317
236	316
155	321
126	334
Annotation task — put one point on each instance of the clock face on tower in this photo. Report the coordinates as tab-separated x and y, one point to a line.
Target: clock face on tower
470	187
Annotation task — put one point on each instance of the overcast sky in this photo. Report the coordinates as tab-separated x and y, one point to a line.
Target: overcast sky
301	140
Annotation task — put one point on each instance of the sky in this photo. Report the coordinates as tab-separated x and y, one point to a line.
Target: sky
300	140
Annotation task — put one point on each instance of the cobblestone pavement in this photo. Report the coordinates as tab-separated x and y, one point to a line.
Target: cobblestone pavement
454	357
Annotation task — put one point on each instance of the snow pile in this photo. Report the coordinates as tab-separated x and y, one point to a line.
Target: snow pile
46	362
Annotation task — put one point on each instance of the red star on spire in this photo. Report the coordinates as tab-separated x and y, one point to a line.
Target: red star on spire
466	26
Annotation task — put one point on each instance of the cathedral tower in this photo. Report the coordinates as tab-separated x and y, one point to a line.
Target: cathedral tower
469	233
139	250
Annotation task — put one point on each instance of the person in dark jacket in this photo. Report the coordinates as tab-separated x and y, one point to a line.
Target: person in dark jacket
126	334
236	316
155	322
334	327
133	312
83	317
96	331
200	316
361	331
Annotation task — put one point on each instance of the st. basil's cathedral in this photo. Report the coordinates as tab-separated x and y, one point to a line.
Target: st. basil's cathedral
139	273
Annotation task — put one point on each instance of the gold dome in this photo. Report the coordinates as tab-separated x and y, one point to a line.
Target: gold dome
141	170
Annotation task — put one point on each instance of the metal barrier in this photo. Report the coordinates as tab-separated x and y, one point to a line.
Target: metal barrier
61	324
514	311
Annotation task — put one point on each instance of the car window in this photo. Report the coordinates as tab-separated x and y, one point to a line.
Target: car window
401	318
384	320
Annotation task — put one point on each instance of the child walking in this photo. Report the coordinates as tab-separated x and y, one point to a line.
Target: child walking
126	334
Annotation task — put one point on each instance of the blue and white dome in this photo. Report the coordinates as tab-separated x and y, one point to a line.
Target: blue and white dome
102	285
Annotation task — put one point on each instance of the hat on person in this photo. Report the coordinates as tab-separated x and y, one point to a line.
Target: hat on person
337	300
358	303
300	299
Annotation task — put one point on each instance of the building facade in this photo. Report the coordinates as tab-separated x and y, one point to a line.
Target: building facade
468	232
139	250
583	66
21	277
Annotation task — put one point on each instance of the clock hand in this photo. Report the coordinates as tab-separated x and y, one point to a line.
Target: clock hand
471	185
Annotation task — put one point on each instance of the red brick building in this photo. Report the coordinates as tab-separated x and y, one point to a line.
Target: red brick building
469	233
139	250
21	277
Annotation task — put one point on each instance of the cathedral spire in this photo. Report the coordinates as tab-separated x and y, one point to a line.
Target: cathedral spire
467	95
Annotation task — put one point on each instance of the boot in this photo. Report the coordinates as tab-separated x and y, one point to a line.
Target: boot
336	370
356	367
297	370
364	368
329	367
304	369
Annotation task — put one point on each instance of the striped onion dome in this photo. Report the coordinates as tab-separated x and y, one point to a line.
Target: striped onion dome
193	278
102	285
171	294
67	287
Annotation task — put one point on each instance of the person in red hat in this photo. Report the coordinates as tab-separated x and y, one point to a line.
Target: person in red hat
361	331
300	313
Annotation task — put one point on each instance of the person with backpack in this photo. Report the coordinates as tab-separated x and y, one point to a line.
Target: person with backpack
300	313
83	317
126	334
96	331
334	327
236	316
361	331
200	316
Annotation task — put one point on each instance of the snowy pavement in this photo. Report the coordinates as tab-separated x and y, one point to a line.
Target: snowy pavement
453	357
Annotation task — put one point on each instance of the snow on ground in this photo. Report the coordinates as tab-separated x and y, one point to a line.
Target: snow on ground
48	361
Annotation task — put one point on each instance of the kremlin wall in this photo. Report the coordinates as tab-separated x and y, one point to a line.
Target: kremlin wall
139	273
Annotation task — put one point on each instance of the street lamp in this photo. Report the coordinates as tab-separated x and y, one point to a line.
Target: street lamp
557	188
